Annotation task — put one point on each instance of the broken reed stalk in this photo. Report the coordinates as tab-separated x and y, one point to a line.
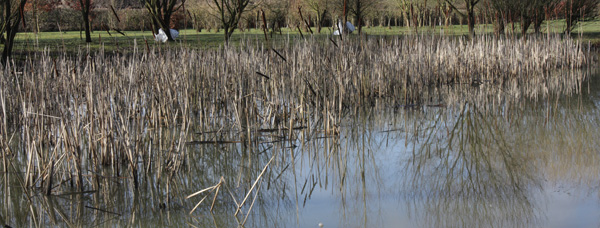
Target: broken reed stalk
211	189
49	181
252	204
221	181
253	186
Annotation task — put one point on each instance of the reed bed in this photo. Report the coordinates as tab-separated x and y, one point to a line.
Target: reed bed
72	121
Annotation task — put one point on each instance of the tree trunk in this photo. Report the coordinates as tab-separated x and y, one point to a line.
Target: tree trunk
471	20
228	32
345	16
166	25
525	23
159	24
358	16
8	42
499	25
11	28
320	19
86	25
85	17
319	24
537	26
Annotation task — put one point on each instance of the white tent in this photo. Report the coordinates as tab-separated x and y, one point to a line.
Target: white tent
174	33
349	28
162	36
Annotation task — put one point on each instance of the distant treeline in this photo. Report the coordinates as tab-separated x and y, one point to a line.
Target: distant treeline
55	15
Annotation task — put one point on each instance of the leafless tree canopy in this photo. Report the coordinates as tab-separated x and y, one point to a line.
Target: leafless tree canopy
230	12
161	12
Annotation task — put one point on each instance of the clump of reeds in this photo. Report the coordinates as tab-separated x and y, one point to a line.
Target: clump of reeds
135	115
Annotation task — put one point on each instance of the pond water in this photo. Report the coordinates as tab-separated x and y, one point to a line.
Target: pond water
531	165
516	163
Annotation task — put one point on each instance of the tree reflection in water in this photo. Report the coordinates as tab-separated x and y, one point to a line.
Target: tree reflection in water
470	172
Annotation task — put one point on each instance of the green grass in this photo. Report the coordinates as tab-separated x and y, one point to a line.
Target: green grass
73	41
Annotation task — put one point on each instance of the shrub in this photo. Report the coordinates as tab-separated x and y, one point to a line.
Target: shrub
134	19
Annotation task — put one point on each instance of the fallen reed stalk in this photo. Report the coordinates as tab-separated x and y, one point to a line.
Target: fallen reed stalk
253	186
210	189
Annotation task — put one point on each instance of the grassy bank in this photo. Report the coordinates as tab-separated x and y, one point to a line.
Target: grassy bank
73	41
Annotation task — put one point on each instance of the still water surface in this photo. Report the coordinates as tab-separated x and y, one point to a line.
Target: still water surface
525	164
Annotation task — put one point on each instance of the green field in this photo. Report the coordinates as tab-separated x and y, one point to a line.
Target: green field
73	41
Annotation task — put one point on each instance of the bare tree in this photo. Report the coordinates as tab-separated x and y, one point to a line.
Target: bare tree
230	12
576	10
527	12
359	9
409	11
85	7
385	13
469	6
319	8
161	12
502	10
12	16
531	12
276	13
539	10
446	11
85	14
